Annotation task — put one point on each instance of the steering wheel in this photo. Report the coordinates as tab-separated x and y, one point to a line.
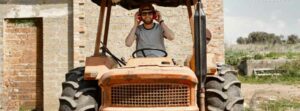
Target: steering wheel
143	52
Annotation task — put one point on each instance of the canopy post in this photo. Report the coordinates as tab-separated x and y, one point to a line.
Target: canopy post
190	16
100	25
107	21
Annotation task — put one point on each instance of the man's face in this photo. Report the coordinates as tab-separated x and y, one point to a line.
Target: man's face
147	17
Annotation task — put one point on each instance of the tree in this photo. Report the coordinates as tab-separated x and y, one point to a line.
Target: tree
267	38
241	40
260	37
293	39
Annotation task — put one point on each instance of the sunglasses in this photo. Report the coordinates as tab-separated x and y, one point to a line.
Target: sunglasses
146	13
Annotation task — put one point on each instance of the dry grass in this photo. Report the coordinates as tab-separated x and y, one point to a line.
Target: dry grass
265	48
234	54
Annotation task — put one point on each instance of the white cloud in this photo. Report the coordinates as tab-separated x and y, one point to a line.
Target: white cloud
281	24
226	10
236	26
275	18
274	14
298	21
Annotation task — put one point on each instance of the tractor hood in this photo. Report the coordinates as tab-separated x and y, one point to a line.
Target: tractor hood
133	4
157	74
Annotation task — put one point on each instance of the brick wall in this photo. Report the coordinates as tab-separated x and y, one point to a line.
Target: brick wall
57	43
23	64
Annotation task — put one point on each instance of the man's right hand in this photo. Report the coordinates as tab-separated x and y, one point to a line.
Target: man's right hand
136	19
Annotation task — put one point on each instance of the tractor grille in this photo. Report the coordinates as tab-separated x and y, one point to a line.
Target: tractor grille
150	95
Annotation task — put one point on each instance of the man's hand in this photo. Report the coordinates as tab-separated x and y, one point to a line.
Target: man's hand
136	19
167	32
159	17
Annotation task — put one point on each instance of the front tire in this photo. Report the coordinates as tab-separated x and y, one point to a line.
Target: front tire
79	94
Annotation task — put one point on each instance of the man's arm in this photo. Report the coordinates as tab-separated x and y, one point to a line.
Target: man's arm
168	33
131	36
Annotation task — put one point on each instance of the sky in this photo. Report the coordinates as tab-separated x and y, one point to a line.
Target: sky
241	17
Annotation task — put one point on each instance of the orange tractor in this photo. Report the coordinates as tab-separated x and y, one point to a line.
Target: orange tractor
108	83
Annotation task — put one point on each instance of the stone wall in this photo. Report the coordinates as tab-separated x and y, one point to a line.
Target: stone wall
215	22
122	22
56	55
248	67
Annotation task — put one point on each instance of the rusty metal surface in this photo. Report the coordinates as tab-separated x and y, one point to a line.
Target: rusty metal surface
150	95
211	64
100	26
107	21
176	74
149	61
190	108
97	66
161	87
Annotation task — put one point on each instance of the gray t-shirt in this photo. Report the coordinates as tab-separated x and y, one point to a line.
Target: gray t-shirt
150	38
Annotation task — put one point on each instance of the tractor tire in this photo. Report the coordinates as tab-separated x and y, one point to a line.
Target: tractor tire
79	94
223	92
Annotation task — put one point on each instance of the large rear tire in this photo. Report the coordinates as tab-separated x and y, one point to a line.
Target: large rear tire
79	94
223	92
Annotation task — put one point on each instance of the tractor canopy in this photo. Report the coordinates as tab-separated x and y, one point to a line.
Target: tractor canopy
133	4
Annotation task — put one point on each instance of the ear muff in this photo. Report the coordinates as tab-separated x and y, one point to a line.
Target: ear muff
139	17
154	15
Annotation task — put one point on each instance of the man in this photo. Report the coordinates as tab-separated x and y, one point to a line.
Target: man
149	34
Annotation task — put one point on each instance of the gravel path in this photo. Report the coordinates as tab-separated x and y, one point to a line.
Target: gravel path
255	93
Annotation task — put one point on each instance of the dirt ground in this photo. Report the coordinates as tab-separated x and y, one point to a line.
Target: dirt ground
256	93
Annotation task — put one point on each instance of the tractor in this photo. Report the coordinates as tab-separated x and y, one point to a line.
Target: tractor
108	83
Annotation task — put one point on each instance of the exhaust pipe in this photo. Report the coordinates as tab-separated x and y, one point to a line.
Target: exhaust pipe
200	53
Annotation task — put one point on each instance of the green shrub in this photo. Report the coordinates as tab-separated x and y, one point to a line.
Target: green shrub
293	55
292	68
273	55
234	57
258	56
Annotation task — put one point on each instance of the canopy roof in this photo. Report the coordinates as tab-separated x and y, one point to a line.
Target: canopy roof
133	4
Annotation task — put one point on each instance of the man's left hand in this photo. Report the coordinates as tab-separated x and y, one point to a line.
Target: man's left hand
159	17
